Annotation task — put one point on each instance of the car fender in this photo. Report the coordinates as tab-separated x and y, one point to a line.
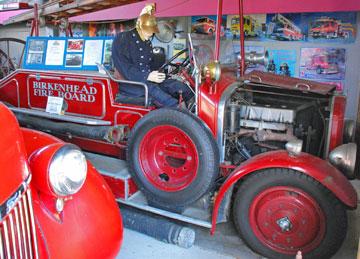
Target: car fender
319	169
90	225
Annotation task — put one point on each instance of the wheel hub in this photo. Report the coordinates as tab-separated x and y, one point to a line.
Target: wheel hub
287	219
284	224
168	158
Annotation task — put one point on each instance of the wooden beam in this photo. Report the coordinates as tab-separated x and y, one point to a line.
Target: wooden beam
69	8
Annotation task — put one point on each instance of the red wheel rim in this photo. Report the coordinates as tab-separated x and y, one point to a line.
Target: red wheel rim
287	220
168	158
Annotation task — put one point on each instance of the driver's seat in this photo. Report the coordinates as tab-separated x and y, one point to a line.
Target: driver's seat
122	98
127	99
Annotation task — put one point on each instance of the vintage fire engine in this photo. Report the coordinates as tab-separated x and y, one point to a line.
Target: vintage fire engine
52	201
273	151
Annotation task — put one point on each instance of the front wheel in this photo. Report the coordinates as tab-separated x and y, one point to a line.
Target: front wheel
173	158
280	211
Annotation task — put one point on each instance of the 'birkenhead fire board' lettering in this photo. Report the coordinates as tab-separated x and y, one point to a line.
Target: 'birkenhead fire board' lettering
71	92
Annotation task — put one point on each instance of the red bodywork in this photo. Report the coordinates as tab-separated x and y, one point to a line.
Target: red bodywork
74	232
91	96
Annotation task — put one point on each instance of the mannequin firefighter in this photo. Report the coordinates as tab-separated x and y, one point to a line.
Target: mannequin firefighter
132	55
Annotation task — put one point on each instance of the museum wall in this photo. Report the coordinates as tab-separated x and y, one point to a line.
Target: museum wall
350	82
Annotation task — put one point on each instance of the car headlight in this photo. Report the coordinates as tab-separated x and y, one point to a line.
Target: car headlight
344	158
67	170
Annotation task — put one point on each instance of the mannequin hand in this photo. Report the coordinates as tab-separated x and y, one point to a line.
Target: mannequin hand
156	76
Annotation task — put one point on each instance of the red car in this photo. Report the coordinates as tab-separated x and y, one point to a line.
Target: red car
272	151
53	203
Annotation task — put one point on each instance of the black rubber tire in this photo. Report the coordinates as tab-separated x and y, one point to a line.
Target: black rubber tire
208	157
334	211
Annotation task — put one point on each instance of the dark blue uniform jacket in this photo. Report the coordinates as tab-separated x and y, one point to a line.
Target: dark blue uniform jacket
132	57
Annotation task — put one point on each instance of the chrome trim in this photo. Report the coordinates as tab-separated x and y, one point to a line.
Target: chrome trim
2	256
146	103
221	116
29	76
62	72
7	242
81	120
103	112
18	230
28	195
23	233
328	129
7	77
12	232
28	235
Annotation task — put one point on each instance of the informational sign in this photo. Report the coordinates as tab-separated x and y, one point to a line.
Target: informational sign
63	53
55	105
55	53
93	52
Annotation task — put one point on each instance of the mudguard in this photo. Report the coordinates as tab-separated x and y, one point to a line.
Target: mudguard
319	169
90	225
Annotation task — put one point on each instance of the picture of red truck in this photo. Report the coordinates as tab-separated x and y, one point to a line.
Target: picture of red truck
323	64
204	25
330	28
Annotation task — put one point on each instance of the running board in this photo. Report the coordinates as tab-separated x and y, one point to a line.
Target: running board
67	118
116	174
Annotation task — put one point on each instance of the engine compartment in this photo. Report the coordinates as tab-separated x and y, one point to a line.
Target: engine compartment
259	119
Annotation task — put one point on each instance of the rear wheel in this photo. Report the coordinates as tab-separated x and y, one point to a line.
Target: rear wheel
279	212
173	158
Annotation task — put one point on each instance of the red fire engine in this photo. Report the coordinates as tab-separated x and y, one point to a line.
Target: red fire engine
326	27
273	151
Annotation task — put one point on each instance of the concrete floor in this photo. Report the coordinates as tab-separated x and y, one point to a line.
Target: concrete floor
225	244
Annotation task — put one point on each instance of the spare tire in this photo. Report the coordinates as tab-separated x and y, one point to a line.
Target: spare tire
173	158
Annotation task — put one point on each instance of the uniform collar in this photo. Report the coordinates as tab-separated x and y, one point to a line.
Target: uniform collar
139	34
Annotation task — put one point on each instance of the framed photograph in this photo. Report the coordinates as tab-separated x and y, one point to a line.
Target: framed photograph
37	46
35	58
73	60
75	45
55	53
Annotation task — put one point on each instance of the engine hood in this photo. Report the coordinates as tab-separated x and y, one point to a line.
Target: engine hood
289	83
13	157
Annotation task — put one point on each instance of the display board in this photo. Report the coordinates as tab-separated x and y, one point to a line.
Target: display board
63	53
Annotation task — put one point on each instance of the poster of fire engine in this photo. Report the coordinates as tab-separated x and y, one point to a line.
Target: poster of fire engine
254	26
282	62
322	63
206	25
284	27
331	27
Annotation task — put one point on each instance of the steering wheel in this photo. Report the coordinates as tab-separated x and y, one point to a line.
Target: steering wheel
177	67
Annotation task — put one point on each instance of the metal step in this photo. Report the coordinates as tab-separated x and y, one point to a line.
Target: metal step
109	166
116	170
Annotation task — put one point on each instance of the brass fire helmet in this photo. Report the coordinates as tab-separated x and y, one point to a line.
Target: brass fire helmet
147	23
